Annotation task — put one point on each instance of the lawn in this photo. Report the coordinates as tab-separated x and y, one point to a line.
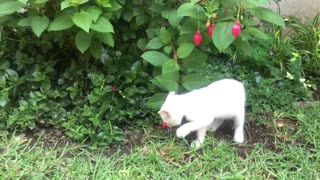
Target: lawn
282	145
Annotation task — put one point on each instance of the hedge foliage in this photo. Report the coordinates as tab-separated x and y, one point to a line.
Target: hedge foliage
89	67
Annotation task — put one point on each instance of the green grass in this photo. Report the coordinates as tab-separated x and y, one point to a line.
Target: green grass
294	154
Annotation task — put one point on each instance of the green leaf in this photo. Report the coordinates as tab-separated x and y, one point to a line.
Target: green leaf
142	43
169	81
65	4
223	35
194	81
102	25
154	43
10	7
257	33
37	76
96	49
106	38
23	1
155	58
4	64
61	22
94	12
3	80
82	20
156	101
83	41
268	15
39	24
191	10
141	19
26	21
195	60
93	98
165	35
188	27
174	19
185	49
170	66
46	84
243	46
11	75
254	3
4	98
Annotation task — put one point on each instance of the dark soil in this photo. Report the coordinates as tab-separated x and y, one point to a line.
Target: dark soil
254	133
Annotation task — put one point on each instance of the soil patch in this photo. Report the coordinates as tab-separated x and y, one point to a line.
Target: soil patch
254	133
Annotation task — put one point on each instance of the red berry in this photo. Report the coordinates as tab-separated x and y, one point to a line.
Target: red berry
113	88
210	30
197	38
236	29
164	125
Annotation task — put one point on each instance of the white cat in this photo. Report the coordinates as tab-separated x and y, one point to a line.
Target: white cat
206	109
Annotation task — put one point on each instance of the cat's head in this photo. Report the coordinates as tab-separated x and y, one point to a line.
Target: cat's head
170	112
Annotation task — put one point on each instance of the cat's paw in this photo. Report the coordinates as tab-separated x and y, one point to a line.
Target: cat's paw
181	132
238	139
195	144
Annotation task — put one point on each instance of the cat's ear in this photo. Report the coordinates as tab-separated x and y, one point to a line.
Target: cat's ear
171	93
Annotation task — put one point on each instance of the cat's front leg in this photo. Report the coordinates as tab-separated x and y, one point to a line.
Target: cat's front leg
201	134
182	131
187	128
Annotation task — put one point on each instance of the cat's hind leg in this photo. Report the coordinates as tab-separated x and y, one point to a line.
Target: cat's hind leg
201	134
215	124
239	120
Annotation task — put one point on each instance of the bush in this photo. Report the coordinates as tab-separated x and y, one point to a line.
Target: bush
89	67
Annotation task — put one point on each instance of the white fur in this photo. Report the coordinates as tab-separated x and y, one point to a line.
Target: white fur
206	108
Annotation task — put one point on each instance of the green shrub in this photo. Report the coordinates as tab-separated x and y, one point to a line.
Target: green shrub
305	38
89	67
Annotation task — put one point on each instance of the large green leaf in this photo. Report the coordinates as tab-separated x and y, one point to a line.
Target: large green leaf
82	20
26	21
39	24
61	22
170	66
185	49
155	58
4	98
10	7
154	43
156	101
195	60
191	10
268	15
223	37
102	25
257	33
83	41
94	12
165	35
194	81
3	80
169	81
174	19
106	38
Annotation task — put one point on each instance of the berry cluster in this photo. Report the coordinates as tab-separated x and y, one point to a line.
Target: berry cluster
197	38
